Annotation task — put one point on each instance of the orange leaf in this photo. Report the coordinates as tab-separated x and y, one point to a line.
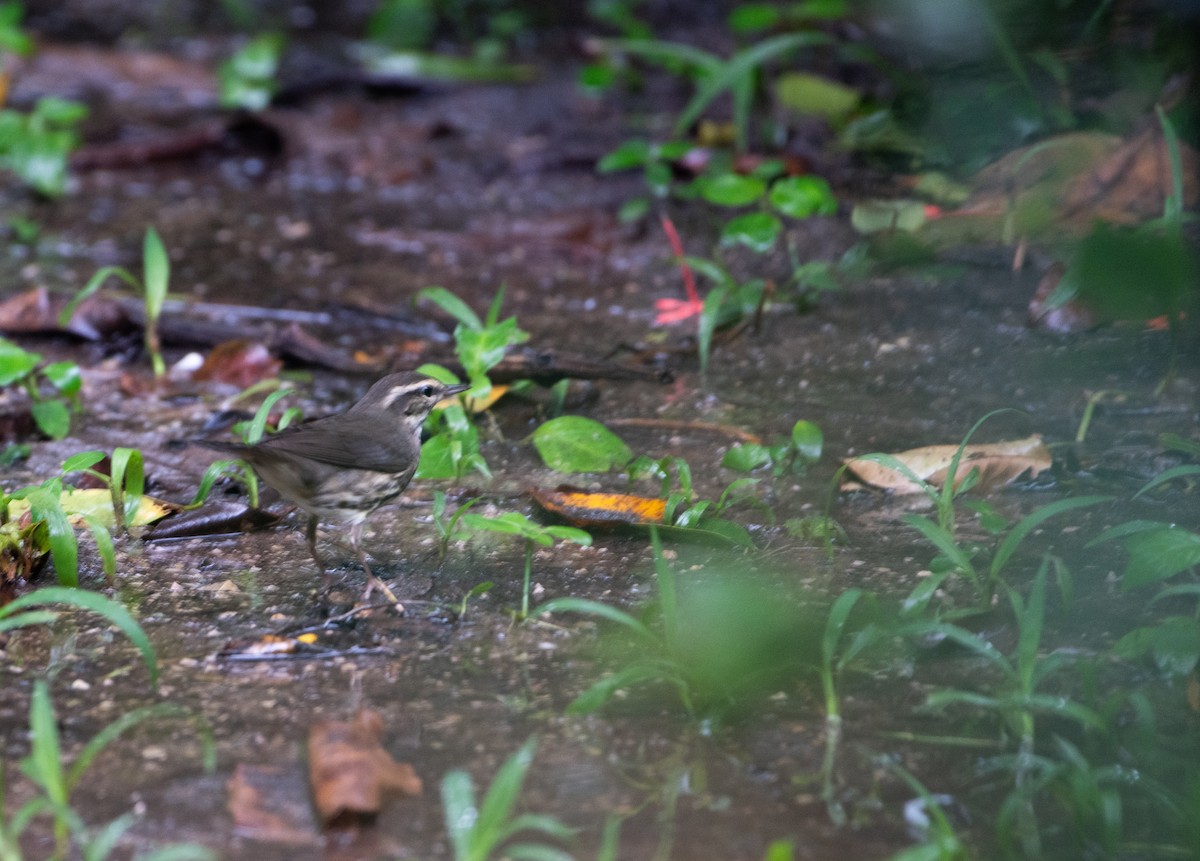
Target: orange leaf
599	509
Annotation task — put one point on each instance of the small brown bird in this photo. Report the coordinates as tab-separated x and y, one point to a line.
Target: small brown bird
343	467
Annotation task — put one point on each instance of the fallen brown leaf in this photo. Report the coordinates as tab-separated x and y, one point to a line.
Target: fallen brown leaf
270	803
349	770
239	363
999	463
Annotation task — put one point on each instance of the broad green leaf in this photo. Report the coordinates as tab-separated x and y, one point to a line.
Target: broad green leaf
731	189
746	457
437	460
756	230
630	154
807	440
459	810
877	216
52	417
802	196
1158	554
15	363
817	95
64	376
578	444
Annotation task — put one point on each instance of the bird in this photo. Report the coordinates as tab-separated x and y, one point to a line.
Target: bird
342	467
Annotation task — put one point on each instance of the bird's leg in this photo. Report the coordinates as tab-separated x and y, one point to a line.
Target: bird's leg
373	582
311	534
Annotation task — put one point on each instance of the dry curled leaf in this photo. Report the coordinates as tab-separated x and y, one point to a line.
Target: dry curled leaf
999	463
350	771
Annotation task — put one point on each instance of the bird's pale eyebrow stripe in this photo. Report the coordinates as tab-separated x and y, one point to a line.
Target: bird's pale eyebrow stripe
398	392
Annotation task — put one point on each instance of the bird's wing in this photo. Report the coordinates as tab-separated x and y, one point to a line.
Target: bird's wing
348	442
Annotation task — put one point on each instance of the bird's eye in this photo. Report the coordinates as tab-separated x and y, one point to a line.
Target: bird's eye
427	391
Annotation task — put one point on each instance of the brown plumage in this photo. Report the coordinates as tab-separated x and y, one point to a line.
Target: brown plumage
343	467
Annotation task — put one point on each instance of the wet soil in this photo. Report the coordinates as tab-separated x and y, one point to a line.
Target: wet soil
375	197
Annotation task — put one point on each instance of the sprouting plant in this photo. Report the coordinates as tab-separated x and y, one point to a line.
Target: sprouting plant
483	831
479	344
251	432
156	275
36	145
940	842
37	518
515	523
247	80
14	41
56	779
832	663
33	608
449	529
955	557
453	445
51	409
793	455
1016	699
717	648
714	75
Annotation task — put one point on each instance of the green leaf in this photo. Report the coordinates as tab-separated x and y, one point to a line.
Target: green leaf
156	273
458	808
505	789
807	440
1176	645
731	189
595	608
633	209
746	457
64	376
112	612
877	216
817	95
802	196
437	458
1158	554
1022	529
756	230
452	305
52	417
578	444
630	154
15	363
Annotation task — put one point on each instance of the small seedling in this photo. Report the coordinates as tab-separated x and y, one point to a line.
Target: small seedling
449	529
40	518
479	344
515	523
32	609
56	780
36	146
156	275
792	455
247	80
51	412
482	831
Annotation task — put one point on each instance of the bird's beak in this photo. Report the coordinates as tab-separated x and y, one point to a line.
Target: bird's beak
455	389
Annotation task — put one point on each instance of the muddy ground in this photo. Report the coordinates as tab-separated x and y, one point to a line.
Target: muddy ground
374	196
